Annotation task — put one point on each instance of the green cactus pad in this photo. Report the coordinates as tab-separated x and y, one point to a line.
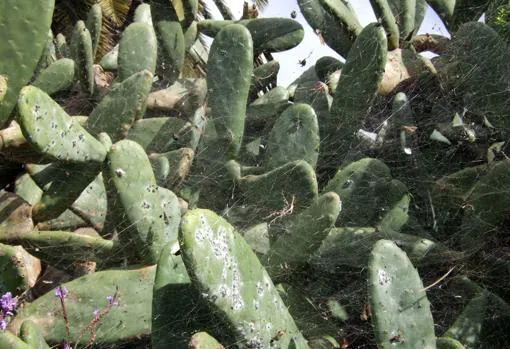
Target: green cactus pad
358	184
82	53
305	232
268	34
61	247
61	47
170	39
185	10
351	246
59	76
91	204
291	185
172	216
64	189
229	68
263	75
448	343
52	132
121	106
109	62
333	32
3	87
21	46
130	319
488	207
486	91
295	136
405	14
19	270
344	16
10	341
400	309
356	89
171	168
263	111
27	189
94	24
143	14
137	205
229	276
32	335
173	297
325	66
384	13
164	134
190	35
203	340
138	50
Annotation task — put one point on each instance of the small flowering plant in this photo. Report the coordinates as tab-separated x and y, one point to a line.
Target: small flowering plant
8	305
111	301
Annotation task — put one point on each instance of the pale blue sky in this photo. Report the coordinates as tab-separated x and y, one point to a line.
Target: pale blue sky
289	66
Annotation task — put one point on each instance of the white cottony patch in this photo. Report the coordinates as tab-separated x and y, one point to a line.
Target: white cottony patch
383	277
230	286
120	172
204	232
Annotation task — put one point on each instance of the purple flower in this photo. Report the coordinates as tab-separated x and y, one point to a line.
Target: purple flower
3	324
8	303
111	300
67	346
61	292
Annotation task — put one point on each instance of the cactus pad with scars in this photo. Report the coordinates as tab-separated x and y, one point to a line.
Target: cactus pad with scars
138	50
232	280
127	101
295	136
400	308
54	133
229	68
131	318
138	204
21	46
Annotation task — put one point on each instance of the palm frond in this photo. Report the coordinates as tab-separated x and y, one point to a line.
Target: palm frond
261	4
115	10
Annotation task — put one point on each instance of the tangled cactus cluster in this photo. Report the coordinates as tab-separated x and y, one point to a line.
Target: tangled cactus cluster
230	210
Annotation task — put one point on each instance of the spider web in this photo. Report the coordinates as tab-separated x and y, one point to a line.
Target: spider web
327	295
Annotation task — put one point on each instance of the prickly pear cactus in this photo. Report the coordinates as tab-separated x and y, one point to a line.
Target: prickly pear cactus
400	308
232	280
